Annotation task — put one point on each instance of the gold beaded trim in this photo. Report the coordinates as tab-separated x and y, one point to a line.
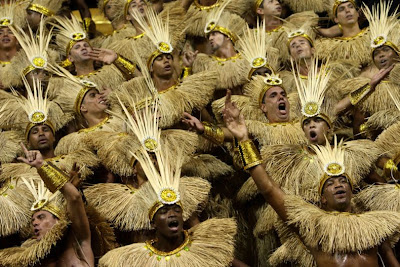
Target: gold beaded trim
249	153
41	9
52	176
95	127
213	132
357	95
201	7
167	255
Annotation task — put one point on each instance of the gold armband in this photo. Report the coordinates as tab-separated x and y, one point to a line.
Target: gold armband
389	167
213	133
186	72
125	64
357	95
53	177
249	153
340	27
86	24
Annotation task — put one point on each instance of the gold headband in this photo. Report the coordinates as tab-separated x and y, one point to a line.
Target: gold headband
325	177
41	9
5	22
37	63
30	125
339	2
76	37
300	34
387	43
199	6
270	82
158	205
212	27
320	115
257	4
163	48
79	98
264	64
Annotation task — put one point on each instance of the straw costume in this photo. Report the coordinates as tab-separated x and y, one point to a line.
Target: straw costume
362	231
354	48
166	187
47	8
383	28
69	33
231	71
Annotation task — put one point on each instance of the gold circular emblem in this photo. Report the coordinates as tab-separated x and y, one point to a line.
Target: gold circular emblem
334	168
38	117
78	36
168	195
150	144
164	47
311	108
211	26
258	62
39	204
379	40
5	21
39	62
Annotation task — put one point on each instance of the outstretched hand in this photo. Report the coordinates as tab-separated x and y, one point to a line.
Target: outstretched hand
234	121
75	175
32	157
193	123
188	58
106	56
378	77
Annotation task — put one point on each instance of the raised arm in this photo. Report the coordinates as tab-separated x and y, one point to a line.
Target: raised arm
358	95
55	179
272	193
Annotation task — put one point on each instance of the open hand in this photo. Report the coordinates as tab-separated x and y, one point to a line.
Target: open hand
234	121
378	77
188	58
106	56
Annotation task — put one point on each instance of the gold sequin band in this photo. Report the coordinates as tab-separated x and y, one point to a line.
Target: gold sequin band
125	64
53	177
207	8
390	167
86	24
213	133
357	95
30	125
249	154
252	70
158	205
72	43
325	177
27	70
338	3
79	99
257	4
227	32
167	255
152	58
186	72
320	115
53	209
41	9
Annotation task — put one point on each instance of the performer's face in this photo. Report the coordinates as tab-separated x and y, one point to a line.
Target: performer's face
315	130
346	14
270	8
41	137
110	10
7	39
300	48
39	74
80	52
168	221
42	222
276	105
217	40
385	56
336	194
163	65
138	5
33	19
93	102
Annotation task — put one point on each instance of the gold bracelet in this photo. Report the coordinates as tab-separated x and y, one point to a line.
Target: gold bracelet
389	167
340	27
213	133
250	155
357	95
53	177
86	24
186	72
126	64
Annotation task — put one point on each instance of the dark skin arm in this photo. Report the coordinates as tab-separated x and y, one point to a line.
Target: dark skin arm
387	255
272	193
